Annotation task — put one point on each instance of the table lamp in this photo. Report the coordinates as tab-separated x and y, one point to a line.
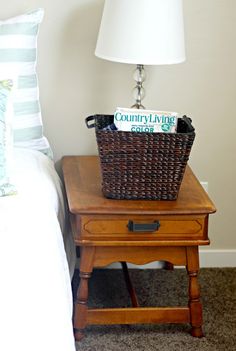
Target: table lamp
141	32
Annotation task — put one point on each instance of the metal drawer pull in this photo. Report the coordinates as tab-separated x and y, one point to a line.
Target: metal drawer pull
143	227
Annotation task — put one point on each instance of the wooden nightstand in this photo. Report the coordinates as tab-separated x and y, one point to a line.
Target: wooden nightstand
138	232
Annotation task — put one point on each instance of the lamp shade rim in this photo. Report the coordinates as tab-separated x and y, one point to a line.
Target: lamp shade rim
145	62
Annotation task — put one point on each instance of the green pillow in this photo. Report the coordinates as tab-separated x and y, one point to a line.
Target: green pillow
6	140
18	52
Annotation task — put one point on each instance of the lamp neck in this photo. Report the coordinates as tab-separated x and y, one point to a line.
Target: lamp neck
138	91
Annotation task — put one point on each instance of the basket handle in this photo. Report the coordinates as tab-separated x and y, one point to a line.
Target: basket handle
189	123
89	119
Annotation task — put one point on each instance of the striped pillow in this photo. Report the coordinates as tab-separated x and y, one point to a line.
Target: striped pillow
18	53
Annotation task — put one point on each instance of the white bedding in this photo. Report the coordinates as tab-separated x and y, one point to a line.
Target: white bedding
35	289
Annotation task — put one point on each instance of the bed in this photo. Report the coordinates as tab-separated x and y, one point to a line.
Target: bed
37	254
37	259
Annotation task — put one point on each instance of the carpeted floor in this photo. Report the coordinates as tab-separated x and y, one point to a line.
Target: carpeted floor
162	288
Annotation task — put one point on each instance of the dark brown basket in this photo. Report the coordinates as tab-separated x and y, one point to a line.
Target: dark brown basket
142	165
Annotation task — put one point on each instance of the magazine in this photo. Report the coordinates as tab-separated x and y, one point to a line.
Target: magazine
149	121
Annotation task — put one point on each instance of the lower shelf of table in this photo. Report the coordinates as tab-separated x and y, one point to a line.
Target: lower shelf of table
138	315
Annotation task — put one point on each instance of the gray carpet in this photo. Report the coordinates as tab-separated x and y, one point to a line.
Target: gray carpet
161	288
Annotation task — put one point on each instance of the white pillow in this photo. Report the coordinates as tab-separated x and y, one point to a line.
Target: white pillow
18	52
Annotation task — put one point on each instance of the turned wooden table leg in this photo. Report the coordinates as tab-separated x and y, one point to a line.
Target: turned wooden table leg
195	305
81	307
81	302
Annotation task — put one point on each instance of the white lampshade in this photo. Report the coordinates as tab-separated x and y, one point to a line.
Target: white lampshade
148	32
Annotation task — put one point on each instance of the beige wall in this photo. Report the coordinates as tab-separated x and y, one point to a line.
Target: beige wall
74	83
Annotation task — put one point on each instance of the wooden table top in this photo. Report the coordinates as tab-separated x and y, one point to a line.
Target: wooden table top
82	178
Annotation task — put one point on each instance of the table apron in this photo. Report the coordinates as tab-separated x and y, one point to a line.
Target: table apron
103	255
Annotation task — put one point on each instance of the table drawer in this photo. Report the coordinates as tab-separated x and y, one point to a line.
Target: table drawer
143	227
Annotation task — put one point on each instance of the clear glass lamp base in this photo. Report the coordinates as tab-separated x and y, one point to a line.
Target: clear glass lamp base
138	91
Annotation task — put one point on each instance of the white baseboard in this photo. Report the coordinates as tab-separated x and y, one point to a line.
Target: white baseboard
217	258
208	258
151	265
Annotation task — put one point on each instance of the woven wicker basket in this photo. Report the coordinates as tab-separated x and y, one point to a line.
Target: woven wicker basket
142	165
